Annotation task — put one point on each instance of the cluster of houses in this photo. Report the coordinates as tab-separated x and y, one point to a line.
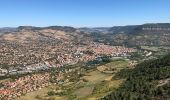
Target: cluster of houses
12	54
66	52
12	89
70	56
90	53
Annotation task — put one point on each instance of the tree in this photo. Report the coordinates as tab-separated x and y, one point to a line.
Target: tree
51	93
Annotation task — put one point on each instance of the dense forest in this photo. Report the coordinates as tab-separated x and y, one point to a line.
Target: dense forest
149	80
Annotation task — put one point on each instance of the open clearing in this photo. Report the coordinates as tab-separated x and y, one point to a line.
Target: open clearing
114	66
83	92
95	76
32	95
42	93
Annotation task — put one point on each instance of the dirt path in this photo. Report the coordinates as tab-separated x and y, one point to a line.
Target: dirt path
163	82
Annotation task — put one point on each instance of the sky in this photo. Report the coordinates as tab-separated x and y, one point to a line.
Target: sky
83	13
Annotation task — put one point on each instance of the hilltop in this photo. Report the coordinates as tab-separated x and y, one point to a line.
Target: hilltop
133	35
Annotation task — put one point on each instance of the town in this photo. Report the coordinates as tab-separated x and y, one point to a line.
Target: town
32	82
71	56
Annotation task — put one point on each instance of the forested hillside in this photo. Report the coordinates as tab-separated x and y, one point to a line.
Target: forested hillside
149	80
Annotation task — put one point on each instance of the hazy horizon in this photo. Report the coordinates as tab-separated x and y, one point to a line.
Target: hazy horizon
85	26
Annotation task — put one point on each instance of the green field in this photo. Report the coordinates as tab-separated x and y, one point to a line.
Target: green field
95	76
85	91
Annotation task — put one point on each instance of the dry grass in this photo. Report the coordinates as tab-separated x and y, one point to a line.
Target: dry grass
41	93
85	91
32	95
101	68
95	76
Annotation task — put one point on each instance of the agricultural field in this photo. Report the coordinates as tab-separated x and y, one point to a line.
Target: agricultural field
114	66
40	94
95	76
84	91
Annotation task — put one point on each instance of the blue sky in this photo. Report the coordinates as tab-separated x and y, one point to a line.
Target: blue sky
80	13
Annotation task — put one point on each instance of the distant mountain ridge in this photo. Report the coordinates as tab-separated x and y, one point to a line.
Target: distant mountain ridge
147	34
130	29
61	28
7	29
